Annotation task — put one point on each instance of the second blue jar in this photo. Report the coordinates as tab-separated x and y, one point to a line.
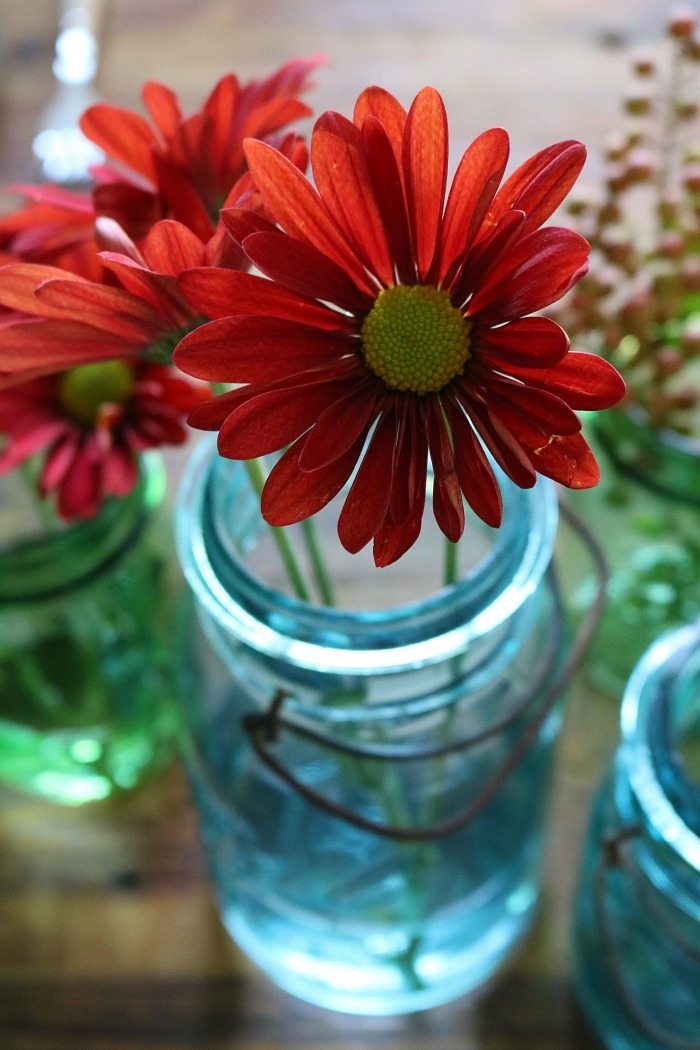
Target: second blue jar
638	911
335	753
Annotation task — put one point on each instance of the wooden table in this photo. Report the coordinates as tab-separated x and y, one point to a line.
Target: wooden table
109	938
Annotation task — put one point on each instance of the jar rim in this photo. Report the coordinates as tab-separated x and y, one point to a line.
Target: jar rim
645	706
46	566
660	458
485	607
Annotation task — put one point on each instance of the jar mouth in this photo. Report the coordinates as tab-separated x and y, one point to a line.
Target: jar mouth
662	693
427	630
44	566
660	458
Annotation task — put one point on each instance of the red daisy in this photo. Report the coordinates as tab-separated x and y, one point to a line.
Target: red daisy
53	226
188	167
91	423
392	328
61	319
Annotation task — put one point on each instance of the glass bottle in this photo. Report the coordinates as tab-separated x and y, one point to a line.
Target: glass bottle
396	708
638	912
86	701
646	515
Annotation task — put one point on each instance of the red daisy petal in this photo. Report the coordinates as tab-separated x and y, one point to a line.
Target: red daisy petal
171	248
424	159
447	494
291	495
22	446
340	173
398	534
58	462
475	183
268	421
338	427
367	501
539	406
119	471
487	253
111	309
539	185
501	443
565	458
52	345
19	282
528	343
303	269
298	209
568	459
387	185
392	541
217	292
400	500
163	105
80	491
541	268
255	349
129	206
584	381
380	104
241	223
476	478
124	136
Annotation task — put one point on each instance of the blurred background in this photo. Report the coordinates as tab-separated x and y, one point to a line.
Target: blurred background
545	69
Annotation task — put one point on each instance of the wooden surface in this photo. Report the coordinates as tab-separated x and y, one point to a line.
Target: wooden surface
108	935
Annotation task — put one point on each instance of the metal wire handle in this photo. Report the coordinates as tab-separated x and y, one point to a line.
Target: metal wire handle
612	856
263	730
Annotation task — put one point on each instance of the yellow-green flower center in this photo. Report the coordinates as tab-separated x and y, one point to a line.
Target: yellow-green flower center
84	390
414	339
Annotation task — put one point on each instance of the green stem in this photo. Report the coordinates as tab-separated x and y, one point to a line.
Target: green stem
323	580
279	535
450	563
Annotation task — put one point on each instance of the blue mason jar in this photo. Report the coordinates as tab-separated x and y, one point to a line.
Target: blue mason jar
371	778
638	910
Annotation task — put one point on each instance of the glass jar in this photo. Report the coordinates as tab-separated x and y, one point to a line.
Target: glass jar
334	822
86	704
646	515
638	911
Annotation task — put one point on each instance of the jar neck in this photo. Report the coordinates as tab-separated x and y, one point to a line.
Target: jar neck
661	460
41	563
660	727
219	520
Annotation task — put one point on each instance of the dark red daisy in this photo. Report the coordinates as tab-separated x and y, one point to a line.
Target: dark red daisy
393	328
60	319
187	167
91	423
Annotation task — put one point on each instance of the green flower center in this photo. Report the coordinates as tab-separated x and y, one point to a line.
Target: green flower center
84	390
414	339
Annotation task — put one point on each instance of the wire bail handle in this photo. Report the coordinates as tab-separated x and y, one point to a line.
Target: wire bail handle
614	848
263	729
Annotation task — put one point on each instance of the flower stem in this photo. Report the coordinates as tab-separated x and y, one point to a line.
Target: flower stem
323	580
279	535
450	563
